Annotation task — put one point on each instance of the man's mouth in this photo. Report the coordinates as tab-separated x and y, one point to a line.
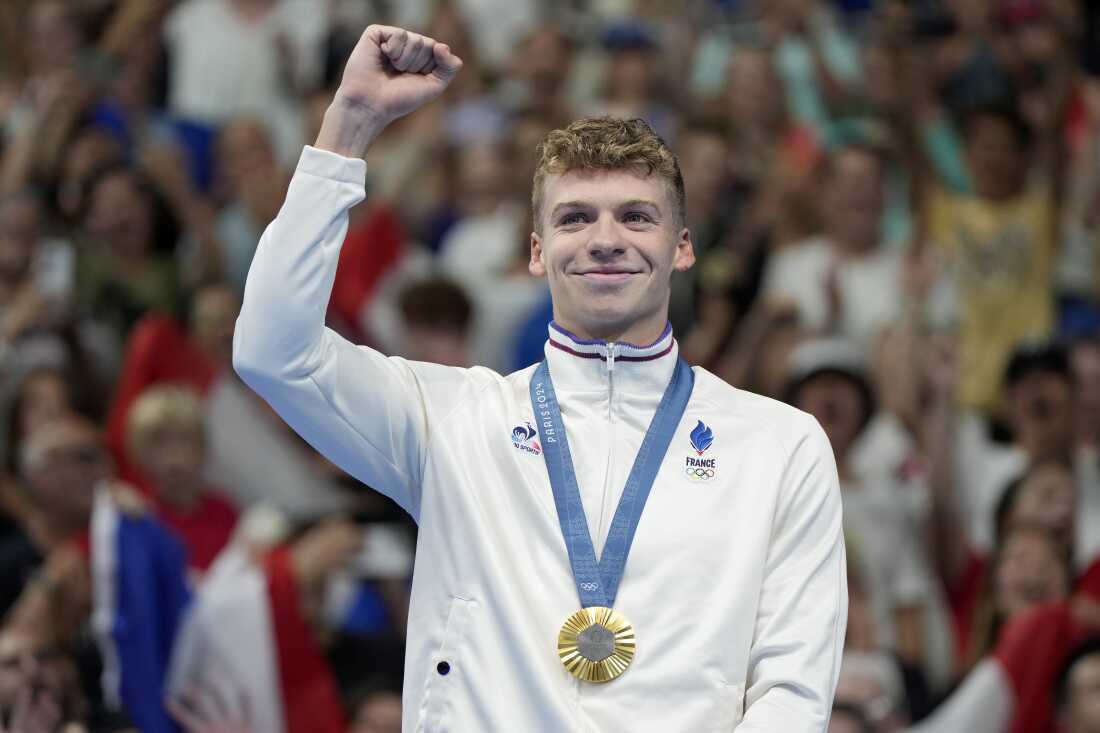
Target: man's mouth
608	276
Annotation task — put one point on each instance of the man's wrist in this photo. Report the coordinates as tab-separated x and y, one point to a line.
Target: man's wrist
349	127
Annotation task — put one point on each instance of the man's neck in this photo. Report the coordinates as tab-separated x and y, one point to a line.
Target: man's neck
640	333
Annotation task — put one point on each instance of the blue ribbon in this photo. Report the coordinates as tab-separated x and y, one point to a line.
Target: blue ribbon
598	580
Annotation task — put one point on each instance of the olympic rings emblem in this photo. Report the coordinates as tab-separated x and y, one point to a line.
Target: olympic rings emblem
699	474
589	586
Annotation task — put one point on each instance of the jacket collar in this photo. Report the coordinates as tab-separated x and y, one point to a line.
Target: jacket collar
578	364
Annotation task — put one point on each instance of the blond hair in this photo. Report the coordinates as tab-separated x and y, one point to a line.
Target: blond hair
158	407
607	144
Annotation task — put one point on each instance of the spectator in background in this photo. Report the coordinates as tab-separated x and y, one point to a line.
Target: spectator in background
127	267
845	282
633	83
541	65
233	57
255	185
712	298
1029	569
43	395
39	686
1077	690
999	243
1039	398
61	464
436	315
487	253
828	379
90	148
167	440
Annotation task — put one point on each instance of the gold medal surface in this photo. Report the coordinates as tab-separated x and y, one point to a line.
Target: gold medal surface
596	644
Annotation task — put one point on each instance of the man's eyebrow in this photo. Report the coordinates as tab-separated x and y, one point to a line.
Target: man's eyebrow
567	205
570	205
640	202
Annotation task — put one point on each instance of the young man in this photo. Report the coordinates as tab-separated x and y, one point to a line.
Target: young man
732	605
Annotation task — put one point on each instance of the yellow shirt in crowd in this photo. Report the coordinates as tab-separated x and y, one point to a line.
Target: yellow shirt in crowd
1001	255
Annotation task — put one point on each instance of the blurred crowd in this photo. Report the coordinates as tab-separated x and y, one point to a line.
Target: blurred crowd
895	206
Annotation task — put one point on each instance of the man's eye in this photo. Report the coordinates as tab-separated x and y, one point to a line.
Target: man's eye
637	217
576	217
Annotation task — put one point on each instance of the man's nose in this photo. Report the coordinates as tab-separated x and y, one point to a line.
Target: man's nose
605	241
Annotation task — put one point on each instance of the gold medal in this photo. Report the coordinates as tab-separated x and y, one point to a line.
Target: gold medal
596	644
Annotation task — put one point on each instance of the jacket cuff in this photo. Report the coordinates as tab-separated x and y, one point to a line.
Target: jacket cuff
325	164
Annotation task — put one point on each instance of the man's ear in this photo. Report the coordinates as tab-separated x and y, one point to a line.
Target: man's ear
685	251
536	266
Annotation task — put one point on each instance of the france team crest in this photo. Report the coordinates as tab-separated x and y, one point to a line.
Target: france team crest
523	438
698	468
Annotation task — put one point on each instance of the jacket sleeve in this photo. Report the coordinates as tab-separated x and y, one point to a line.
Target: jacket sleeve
365	412
802	614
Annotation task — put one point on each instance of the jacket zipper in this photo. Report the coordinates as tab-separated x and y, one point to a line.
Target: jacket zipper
608	474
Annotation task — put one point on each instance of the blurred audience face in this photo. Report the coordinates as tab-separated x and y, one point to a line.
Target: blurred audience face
882	78
244	152
837	404
437	345
608	243
781	336
1085	363
704	159
543	61
63	461
1047	498
379	713
630	75
214	312
92	148
1030	571
1081	713
172	458
43	397
1040	411
994	157
754	91
482	178
37	677
120	215
54	37
20	222
852	199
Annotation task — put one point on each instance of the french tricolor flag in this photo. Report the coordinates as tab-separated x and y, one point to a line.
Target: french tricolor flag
235	656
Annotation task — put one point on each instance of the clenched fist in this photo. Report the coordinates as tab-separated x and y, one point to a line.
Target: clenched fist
390	73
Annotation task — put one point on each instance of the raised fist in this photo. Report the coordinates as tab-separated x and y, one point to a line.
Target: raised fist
391	72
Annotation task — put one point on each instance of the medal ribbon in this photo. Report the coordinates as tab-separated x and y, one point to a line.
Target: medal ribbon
598	580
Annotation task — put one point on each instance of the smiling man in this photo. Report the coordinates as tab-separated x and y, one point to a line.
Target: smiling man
610	540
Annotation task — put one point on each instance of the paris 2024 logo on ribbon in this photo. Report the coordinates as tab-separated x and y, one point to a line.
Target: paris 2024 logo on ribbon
697	467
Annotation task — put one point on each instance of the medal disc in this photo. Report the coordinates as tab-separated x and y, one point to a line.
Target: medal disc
596	644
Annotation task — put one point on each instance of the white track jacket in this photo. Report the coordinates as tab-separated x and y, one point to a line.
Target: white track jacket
735	583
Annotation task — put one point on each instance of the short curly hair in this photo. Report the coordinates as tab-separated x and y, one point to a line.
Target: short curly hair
607	144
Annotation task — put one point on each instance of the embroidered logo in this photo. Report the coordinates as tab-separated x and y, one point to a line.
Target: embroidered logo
523	438
696	467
